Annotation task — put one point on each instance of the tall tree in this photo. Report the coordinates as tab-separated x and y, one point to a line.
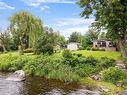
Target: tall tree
92	35
24	24
74	37
110	15
102	36
5	40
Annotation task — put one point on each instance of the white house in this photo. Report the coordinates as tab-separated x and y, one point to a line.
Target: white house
73	46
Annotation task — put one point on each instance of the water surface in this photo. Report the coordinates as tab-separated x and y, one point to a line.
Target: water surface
39	86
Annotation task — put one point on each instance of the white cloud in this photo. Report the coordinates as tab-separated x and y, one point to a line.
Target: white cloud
68	25
45	9
5	6
36	3
74	22
68	31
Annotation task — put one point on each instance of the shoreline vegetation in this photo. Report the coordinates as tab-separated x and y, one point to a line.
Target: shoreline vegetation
67	66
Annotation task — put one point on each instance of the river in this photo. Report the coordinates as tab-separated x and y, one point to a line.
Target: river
40	86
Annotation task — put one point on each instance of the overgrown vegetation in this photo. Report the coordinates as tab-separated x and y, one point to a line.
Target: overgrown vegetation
68	67
113	75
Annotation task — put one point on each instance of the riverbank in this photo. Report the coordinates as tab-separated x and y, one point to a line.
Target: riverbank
67	67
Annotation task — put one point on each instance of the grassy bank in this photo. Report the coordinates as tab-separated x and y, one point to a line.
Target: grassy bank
68	67
110	89
55	66
99	54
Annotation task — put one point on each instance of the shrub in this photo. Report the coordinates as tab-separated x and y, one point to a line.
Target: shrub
43	45
85	70
5	62
106	62
18	64
94	49
29	50
67	54
113	75
88	48
78	55
91	61
101	49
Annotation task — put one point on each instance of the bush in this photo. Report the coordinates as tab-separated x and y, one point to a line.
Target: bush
18	64
85	70
113	75
5	62
29	50
94	49
47	67
90	61
106	63
101	49
88	48
43	45
78	55
67	54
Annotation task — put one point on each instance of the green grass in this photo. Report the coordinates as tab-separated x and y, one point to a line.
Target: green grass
99	54
96	54
92	84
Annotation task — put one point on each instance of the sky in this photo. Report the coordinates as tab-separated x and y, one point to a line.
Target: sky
61	15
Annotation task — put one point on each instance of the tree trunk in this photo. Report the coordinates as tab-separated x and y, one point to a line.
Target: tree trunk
4	49
122	48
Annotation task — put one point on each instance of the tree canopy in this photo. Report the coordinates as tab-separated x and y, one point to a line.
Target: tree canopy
24	22
110	15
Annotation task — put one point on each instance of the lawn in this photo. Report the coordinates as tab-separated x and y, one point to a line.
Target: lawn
99	54
96	54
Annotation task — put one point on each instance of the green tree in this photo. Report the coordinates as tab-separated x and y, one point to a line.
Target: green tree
43	44
110	15
102	35
5	40
92	35
23	24
74	37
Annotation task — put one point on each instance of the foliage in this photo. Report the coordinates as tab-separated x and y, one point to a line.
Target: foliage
107	62
94	49
75	37
6	61
88	48
103	36
92	85
92	35
18	64
47	67
110	15
43	44
113	75
23	24
5	40
70	67
67	54
28	50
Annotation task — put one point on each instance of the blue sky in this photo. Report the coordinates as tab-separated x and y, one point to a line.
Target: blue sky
62	15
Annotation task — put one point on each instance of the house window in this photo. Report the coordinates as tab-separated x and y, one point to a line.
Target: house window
103	44
110	44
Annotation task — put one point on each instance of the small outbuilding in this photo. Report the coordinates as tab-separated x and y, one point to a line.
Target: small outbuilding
73	46
104	44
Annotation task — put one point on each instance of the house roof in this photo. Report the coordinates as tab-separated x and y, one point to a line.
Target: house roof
74	43
101	40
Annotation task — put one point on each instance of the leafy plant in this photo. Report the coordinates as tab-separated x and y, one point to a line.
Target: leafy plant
113	75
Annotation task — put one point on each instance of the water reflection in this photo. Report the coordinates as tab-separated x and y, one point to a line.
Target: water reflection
10	88
39	86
